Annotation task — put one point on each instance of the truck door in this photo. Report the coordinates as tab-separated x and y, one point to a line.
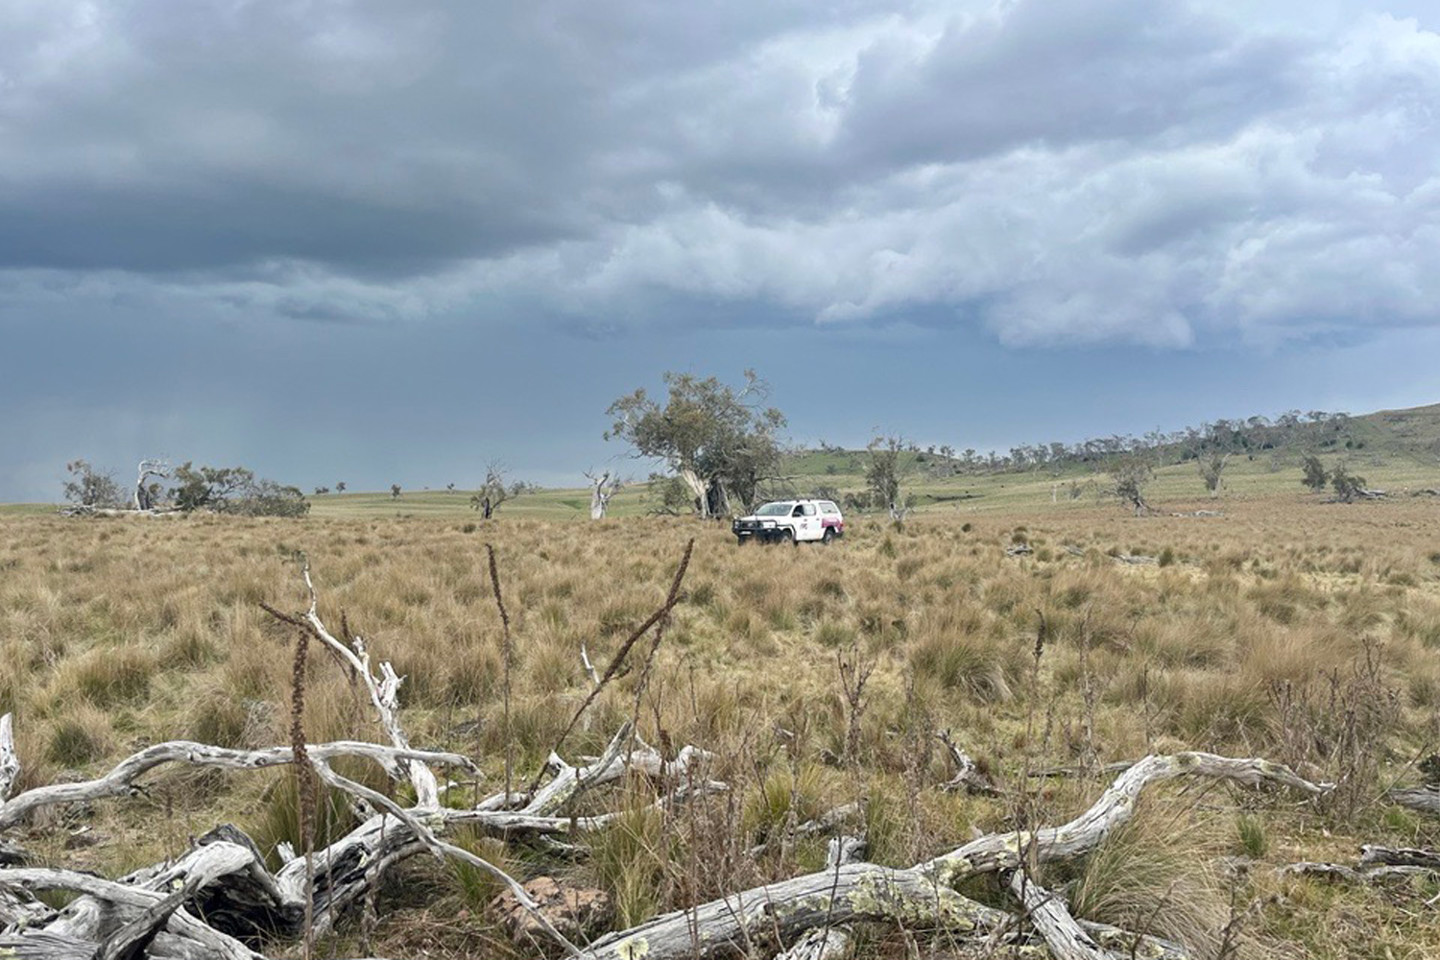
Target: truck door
809	523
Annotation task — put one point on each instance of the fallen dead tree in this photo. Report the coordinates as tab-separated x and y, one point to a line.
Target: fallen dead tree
85	510
226	881
1425	799
223	877
1376	865
923	896
219	899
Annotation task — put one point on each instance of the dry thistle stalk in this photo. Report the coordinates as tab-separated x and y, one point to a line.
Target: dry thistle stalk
305	787
507	651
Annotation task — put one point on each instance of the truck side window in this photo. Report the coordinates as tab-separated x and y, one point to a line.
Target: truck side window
798	511
809	509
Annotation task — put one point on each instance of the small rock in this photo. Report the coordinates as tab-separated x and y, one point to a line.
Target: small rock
576	912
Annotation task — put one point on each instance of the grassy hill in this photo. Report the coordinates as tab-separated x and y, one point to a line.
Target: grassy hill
1397	450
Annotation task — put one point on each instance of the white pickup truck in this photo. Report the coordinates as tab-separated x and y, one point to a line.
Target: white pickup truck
791	521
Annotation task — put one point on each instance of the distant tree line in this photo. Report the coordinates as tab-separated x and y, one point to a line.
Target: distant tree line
1210	442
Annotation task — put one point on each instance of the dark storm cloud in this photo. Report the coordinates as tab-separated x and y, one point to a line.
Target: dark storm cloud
1153	171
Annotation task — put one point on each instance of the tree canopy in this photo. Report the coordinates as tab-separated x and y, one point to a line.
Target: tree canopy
722	443
235	490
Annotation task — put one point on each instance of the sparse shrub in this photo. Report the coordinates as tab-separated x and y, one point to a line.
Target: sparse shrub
1316	476
1347	485
1130	476
89	487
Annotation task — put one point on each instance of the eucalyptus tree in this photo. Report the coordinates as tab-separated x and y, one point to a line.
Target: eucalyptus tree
722	443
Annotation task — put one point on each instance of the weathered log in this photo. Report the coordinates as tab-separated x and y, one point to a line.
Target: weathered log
921	896
42	945
1371	855
120	781
828	942
18	909
12	855
1376	864
569	782
85	510
1050	917
9	759
123	904
967	774
131	941
998	852
1425	799
822	943
789	908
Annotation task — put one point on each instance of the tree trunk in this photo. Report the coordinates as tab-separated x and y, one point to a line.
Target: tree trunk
698	491
718	499
601	490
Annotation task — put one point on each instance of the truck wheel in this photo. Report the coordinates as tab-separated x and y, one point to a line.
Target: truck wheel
829	536
789	537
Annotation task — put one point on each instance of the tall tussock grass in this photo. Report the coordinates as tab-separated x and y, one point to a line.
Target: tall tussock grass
1268	632
1157	874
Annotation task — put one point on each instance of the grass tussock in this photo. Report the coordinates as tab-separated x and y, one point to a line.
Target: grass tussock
1157	874
1284	629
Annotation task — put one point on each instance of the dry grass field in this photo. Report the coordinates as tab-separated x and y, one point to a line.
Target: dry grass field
1287	628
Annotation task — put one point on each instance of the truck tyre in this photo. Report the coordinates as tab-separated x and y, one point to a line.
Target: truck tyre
789	537
829	536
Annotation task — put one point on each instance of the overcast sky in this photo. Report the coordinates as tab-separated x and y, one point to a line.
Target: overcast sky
383	242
